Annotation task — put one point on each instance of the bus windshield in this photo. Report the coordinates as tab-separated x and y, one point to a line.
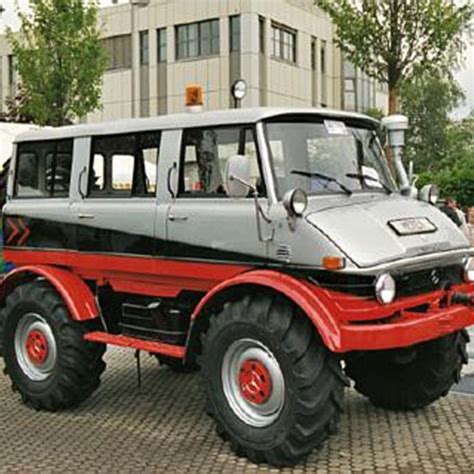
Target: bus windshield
327	156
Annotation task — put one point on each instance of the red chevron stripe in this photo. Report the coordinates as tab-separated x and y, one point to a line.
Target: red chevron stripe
26	233
15	232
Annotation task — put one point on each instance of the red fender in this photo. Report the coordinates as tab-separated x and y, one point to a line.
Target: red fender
298	291
75	293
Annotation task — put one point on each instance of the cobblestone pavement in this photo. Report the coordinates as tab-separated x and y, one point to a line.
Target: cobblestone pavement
164	429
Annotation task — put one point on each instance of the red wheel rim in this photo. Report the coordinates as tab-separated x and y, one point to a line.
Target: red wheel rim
37	347
255	381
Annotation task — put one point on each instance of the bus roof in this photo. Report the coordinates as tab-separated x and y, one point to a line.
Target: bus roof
183	120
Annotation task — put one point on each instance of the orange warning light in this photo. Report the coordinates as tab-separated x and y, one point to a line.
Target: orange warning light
193	95
333	263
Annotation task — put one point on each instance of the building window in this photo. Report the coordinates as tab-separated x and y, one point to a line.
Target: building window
161	45
234	33
314	67
119	51
197	39
313	54
323	57
323	67
350	86
283	43
350	94
144	48
11	70
261	34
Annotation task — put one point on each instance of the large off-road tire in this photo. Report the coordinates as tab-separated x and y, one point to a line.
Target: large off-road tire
273	388
48	360
2	323
411	378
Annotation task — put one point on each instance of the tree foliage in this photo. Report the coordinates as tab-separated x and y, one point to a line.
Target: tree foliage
60	60
391	39
454	174
16	108
427	99
442	150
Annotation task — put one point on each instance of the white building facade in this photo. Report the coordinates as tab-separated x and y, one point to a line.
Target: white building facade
283	49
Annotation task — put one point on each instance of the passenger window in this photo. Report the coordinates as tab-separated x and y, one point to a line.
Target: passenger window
44	169
122	172
124	165
204	158
98	173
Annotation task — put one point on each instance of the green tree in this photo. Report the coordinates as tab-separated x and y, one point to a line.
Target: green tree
60	60
390	39
15	108
427	99
375	113
454	174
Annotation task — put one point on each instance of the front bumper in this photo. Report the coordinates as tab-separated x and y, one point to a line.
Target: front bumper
407	329
366	325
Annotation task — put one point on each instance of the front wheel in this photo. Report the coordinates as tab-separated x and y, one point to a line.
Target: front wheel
274	390
411	378
48	360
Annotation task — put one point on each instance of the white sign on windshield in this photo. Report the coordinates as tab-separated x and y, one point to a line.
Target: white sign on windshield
334	127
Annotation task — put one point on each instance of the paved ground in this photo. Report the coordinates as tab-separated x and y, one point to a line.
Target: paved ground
164	429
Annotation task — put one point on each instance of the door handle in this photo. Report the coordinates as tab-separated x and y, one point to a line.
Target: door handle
85	216
172	168
79	184
173	218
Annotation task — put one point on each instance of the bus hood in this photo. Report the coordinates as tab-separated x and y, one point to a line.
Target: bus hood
391	228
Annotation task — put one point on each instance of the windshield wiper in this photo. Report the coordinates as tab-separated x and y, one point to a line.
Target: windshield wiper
325	177
367	177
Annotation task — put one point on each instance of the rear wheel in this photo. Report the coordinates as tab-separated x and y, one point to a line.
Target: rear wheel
273	389
407	379
48	360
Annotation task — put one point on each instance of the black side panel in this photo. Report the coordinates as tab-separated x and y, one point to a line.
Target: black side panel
49	234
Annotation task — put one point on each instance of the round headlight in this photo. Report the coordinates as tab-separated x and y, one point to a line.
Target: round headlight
295	202
429	193
469	270
434	195
385	288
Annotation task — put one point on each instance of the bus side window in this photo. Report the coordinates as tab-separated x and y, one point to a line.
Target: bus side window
124	165
204	155
44	169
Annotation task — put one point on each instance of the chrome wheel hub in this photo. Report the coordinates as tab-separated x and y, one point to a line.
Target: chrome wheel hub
35	347
253	382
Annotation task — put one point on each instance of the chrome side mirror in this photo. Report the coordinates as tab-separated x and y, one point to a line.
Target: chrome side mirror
429	193
237	175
